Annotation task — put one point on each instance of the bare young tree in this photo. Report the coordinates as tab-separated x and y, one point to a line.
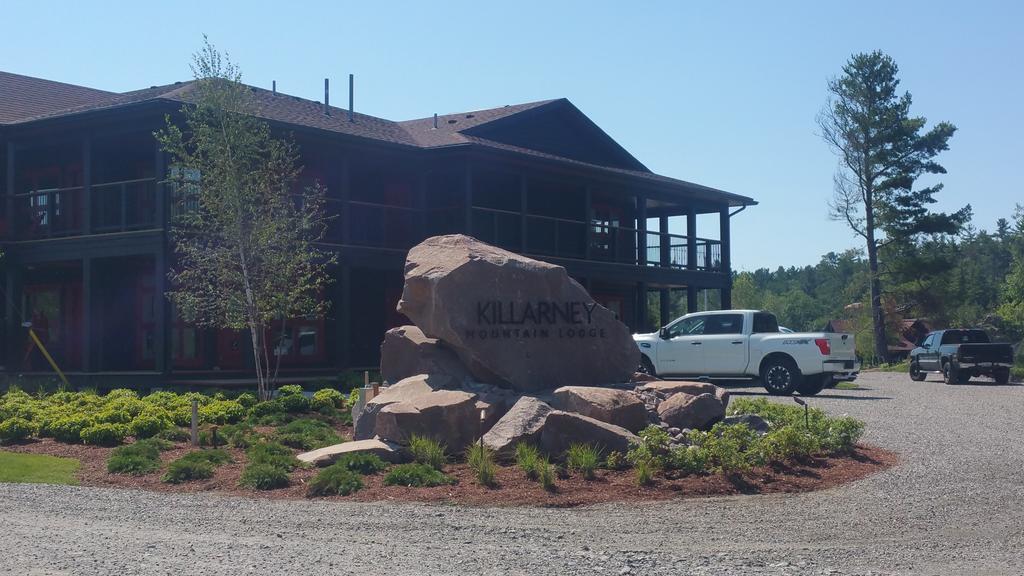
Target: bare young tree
882	151
243	236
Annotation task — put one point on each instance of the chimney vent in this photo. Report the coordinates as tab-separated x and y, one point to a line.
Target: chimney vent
351	97
435	120
327	97
273	86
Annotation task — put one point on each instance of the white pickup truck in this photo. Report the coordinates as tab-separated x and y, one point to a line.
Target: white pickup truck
748	344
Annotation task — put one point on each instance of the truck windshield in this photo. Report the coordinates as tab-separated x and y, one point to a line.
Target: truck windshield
964	337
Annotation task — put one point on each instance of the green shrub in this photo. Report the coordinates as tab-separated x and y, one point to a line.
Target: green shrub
583	458
142	457
546	475
327	398
428	451
361	462
196	465
265	409
334	480
416	475
481	461
15	430
175	434
644	470
353	396
787	443
616	461
273	454
261	476
843	434
528	459
729	448
688	460
67	429
294	403
147	426
104	434
653	447
113	416
247	399
221	412
289	390
238	435
307	434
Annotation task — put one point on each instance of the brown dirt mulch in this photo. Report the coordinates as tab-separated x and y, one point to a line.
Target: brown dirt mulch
513	489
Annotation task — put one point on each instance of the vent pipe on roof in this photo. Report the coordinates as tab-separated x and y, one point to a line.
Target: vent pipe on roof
351	97
435	120
273	86
327	97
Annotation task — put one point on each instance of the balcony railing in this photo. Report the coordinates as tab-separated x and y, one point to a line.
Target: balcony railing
57	212
567	238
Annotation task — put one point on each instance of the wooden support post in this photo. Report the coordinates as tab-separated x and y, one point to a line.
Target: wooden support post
665	243
523	211
691	241
468	198
86	186
641	226
589	219
665	299
691	299
87	315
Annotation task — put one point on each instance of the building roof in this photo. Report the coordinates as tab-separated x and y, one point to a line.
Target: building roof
24	100
24	96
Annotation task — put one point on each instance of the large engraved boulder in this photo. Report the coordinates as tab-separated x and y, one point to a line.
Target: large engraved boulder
512	320
406	352
609	405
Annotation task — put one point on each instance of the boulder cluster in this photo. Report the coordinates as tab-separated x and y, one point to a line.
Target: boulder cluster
508	349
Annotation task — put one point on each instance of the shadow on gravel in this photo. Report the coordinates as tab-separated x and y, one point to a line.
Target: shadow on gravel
822	395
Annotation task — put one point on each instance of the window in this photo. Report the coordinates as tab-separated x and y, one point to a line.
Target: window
764	323
724	324
687	327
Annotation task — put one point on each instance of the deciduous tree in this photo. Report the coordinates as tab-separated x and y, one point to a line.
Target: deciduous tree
243	236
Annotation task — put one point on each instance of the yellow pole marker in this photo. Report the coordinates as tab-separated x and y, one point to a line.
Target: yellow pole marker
49	358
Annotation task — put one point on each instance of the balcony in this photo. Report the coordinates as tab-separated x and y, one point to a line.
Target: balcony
60	212
567	238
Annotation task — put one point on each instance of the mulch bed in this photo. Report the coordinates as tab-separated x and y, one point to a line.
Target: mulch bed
513	489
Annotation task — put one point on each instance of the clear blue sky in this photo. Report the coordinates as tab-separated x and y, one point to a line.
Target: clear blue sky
720	93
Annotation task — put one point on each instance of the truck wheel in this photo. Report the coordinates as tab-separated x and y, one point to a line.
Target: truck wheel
780	376
915	373
646	366
1002	376
811	385
950	375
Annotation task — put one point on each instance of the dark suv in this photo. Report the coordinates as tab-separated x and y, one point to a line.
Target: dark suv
961	355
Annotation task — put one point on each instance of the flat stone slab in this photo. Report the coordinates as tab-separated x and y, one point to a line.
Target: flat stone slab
329	454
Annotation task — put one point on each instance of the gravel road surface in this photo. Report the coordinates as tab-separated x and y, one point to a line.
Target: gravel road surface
955	505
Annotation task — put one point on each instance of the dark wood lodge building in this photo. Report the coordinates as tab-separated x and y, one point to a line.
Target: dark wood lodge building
84	223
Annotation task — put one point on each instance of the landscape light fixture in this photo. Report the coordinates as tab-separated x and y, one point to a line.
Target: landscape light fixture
800	401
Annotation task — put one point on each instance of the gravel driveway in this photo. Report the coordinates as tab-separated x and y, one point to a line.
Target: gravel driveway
955	505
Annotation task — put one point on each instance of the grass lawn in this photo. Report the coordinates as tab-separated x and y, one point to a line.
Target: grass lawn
37	468
847	386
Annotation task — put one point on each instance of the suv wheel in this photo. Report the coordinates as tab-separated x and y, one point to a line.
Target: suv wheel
950	375
1002	376
646	366
915	373
780	376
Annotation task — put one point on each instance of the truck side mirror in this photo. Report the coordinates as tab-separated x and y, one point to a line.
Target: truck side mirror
663	333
